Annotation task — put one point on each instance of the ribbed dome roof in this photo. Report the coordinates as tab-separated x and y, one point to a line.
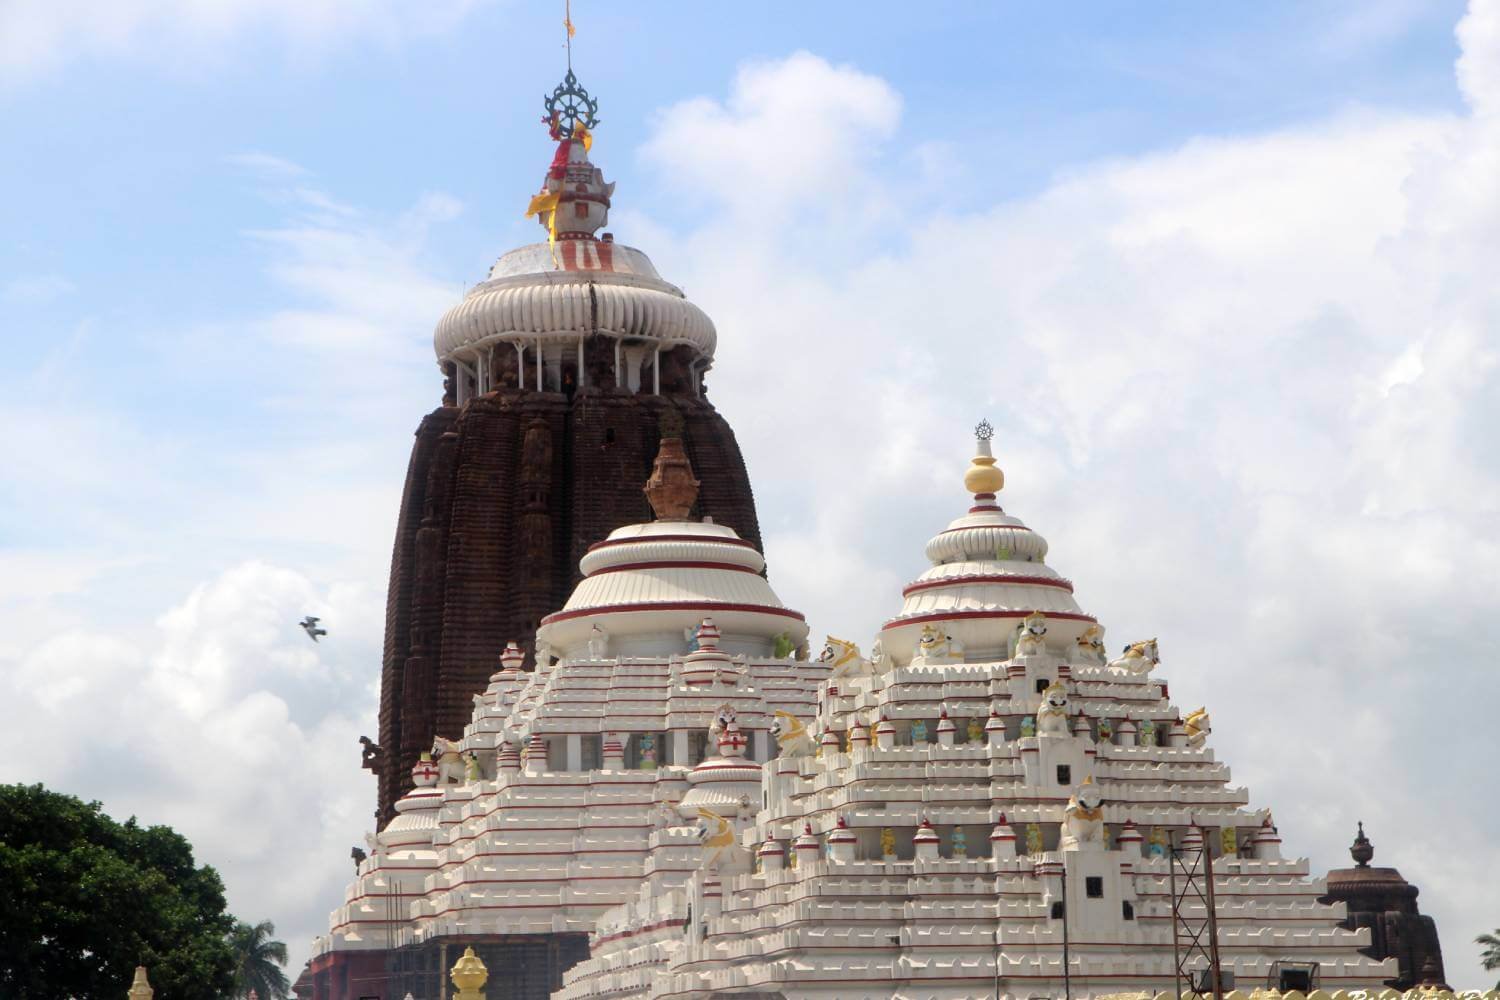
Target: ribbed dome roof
988	572
649	583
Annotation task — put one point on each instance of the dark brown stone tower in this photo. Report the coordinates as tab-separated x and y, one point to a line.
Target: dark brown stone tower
562	369
1383	901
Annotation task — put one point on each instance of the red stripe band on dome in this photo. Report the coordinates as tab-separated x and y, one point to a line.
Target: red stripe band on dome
987	527
704	539
945	616
709	606
673	564
1035	581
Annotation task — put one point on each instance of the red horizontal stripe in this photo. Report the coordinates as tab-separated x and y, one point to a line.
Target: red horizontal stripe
707	539
709	606
674	564
1035	581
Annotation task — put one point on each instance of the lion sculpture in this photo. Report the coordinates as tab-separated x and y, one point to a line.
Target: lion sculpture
1139	658
1031	635
720	849
1052	717
936	646
844	659
791	735
1198	726
1090	645
1083	819
450	761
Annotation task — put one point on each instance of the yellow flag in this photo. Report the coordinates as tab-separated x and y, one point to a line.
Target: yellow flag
544	202
582	134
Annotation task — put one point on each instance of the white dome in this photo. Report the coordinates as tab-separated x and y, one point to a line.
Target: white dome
648	585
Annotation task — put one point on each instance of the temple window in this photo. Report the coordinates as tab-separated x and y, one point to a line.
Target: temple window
1057	910
1065	774
1042	684
1127	910
1093	886
581	209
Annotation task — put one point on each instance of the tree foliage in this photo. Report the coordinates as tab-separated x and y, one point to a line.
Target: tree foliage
258	958
86	899
1489	955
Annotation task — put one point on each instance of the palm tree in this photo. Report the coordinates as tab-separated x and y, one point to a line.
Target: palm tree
1490	956
258	958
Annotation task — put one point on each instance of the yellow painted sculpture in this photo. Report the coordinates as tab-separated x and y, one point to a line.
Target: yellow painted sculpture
469	975
1083	819
1052	717
1031	635
888	842
1198	726
844	659
1090	645
1139	658
716	834
791	735
936	646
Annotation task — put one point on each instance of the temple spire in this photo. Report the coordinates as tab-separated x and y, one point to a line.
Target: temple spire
671	489
983	477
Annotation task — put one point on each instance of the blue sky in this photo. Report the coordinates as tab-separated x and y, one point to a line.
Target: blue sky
1222	276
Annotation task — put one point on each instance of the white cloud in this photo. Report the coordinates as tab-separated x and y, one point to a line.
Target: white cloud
227	724
38	36
35	289
1246	387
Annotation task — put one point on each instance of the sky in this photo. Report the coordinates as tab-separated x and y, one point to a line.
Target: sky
1222	276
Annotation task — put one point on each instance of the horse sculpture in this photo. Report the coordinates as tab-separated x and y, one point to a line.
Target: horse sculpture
1198	726
450	761
791	735
1139	658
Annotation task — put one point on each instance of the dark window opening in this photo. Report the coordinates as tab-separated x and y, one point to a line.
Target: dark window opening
1057	911
1093	886
1296	979
609	435
1042	684
1128	910
1064	774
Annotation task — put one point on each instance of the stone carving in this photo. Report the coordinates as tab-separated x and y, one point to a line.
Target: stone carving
976	730
1031	635
358	855
960	843
936	646
472	772
1028	726
1083	819
1146	737
449	761
1033	839
1198	725
671	490
843	659
1052	717
720	724
371	754
887	842
919	732
1090	645
1139	658
1106	730
782	646
791	735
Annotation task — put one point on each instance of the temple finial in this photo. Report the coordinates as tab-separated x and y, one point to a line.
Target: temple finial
1362	850
671	489
983	478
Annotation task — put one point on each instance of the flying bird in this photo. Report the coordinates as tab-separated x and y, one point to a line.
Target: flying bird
310	626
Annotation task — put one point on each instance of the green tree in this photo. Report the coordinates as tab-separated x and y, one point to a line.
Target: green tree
86	899
1489	957
258	958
